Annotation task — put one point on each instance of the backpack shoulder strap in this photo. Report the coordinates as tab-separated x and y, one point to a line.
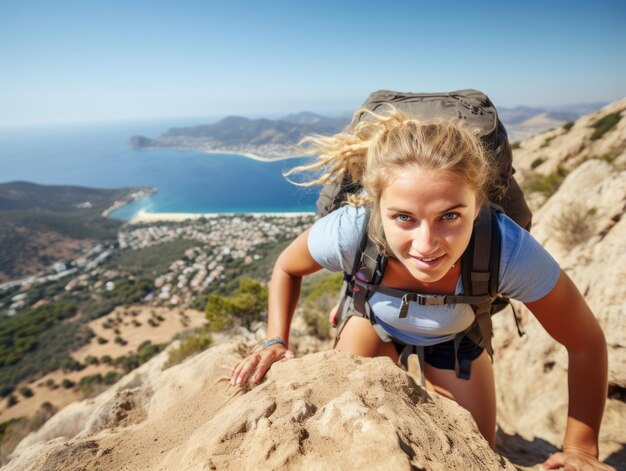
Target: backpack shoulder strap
480	273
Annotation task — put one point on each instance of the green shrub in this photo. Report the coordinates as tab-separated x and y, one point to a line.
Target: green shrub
605	124
547	141
144	352
6	390
70	364
26	391
106	359
12	400
91	360
516	145
111	377
189	345
569	125
245	306
102	340
537	162
67	383
546	184
574	225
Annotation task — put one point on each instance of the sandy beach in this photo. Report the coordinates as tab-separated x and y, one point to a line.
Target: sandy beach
145	217
253	156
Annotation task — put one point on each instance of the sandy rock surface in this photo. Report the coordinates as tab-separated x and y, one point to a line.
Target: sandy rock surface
321	411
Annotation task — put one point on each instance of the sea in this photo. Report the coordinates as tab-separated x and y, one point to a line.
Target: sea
98	156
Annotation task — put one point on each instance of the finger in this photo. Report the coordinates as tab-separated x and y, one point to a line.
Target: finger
236	371
247	369
289	355
556	460
262	367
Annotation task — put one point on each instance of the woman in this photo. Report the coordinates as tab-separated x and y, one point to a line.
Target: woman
424	184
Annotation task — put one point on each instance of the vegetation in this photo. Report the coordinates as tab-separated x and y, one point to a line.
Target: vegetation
145	351
26	391
68	383
569	125
547	141
516	145
92	385
546	184
320	298
149	262
190	344
574	225
22	233
245	306
605	124
537	162
14	430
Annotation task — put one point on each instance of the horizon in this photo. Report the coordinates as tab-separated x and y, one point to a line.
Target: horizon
203	120
87	63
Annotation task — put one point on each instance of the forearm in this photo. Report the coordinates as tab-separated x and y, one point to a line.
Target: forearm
587	384
284	293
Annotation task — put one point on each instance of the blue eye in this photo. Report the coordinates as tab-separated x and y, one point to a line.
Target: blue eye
402	218
450	216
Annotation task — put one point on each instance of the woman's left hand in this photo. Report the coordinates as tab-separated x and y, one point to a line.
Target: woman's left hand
570	460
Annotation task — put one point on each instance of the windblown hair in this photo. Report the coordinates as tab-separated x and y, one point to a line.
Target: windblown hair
370	150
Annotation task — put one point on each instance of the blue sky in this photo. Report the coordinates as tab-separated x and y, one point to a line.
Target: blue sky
73	61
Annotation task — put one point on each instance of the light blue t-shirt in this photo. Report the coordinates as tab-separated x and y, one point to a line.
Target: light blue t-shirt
527	273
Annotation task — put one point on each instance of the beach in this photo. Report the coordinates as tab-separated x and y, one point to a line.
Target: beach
143	217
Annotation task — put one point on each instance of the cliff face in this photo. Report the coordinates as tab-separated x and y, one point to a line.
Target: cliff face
335	410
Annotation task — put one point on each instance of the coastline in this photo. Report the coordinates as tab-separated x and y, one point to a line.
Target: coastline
249	155
129	199
144	217
254	156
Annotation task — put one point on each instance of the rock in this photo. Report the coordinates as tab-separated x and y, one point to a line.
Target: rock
320	411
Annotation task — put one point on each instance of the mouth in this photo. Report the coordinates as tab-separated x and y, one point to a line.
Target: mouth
428	262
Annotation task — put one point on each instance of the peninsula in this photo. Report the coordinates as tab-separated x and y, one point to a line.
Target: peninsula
260	139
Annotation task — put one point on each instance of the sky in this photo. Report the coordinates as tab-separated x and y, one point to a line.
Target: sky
89	61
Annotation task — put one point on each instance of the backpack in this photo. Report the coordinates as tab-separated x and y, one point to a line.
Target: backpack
481	260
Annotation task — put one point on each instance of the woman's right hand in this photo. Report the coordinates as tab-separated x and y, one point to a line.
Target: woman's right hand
257	363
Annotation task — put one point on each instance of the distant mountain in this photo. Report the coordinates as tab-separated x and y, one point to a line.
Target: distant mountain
524	121
235	134
273	139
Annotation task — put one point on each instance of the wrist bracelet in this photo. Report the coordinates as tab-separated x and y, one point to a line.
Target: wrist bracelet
266	343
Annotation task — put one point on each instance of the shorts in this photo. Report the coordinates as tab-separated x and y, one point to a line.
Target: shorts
441	355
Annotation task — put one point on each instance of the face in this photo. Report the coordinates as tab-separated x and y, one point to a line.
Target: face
428	217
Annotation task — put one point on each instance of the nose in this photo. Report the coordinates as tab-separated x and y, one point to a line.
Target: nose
425	240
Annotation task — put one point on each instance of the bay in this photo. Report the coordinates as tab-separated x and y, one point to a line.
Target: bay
98	156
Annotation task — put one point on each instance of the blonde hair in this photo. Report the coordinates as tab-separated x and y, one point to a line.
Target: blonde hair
368	150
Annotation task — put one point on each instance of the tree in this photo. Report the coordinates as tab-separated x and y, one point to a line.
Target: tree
246	305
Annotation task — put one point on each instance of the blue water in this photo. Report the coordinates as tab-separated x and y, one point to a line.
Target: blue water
98	156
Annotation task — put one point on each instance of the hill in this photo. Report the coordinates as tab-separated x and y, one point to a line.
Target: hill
44	224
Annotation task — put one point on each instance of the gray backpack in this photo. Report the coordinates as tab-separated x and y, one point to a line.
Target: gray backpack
481	260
